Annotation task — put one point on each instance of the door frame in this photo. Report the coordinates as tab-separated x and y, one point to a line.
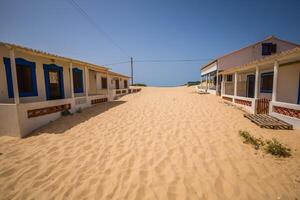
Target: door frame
59	69
247	85
298	101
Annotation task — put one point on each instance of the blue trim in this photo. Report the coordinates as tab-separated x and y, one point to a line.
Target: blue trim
261	79
298	101
9	80
80	89
47	68
10	89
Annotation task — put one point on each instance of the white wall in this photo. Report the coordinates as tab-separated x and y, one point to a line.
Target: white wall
288	83
9	123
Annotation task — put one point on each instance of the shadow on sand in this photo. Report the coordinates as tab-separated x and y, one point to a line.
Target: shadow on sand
65	123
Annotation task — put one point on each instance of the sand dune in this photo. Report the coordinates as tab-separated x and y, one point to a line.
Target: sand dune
161	143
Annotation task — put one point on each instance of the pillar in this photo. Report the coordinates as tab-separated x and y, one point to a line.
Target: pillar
223	84
235	83
86	72
14	76
71	80
217	83
107	82
275	80
256	86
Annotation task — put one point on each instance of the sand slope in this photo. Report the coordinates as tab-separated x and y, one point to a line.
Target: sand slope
162	143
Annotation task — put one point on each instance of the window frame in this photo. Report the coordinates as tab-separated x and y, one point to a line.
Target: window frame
104	81
229	75
9	80
80	89
262	75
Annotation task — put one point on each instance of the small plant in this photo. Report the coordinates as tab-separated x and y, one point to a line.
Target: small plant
139	84
275	148
79	110
249	139
65	112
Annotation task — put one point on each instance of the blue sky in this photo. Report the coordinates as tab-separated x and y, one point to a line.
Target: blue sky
144	29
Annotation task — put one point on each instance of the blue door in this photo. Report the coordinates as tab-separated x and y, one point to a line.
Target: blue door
54	82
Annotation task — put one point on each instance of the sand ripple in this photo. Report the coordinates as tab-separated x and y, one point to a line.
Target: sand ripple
162	143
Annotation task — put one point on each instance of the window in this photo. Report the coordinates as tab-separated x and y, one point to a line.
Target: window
229	78
77	80
266	85
104	82
26	76
125	84
268	48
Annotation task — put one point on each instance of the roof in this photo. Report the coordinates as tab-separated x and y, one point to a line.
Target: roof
117	74
251	45
273	57
206	65
53	56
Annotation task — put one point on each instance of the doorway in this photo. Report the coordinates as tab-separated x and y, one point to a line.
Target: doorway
117	84
54	82
250	85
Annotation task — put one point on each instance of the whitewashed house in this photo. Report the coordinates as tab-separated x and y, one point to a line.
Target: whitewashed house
268	85
35	87
210	73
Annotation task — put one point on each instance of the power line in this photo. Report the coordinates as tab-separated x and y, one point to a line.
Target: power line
116	63
176	60
162	60
98	28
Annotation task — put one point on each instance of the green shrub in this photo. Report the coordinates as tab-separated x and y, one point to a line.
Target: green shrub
276	148
249	139
79	110
65	112
139	84
191	83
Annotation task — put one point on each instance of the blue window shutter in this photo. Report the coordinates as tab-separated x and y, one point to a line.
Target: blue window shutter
9	80
61	83
46	77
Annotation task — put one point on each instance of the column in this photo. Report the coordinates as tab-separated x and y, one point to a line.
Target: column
86	72
275	79
217	82
14	76
235	83
71	80
107	82
206	81
256	87
223	84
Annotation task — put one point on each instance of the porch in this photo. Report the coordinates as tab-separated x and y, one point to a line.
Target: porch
269	86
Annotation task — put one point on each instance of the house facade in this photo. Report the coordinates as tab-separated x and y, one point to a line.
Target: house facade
270	85
35	87
261	78
212	80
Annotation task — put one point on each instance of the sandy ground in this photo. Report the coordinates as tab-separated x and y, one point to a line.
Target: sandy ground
161	143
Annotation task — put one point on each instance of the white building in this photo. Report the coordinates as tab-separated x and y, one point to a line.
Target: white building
46	85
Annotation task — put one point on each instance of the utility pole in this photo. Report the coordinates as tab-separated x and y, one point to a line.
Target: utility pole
131	62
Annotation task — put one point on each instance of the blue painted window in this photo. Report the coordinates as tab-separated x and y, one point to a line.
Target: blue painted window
26	75
77	80
54	81
266	83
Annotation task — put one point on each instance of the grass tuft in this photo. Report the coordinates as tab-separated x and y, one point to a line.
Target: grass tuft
249	139
275	148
